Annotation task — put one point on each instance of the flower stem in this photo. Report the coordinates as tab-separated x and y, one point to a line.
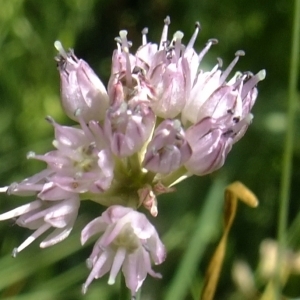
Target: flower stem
124	291
288	148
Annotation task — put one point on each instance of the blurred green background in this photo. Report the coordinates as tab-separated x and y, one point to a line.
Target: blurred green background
29	91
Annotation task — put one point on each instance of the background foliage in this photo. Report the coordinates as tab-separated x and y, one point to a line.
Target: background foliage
29	90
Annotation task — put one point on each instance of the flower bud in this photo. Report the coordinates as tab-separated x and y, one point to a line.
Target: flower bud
168	149
210	147
81	89
129	127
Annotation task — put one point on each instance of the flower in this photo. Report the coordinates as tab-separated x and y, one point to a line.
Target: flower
41	215
128	241
80	87
161	119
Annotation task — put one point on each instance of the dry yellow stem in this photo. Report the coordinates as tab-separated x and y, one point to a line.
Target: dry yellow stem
233	192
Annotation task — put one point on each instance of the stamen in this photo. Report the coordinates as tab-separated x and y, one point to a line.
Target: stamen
49	160
59	47
30	239
84	289
246	121
177	38
20	210
89	263
261	75
125	47
116	265
12	188
144	36
164	35
3	189
30	155
206	48
97	267
220	62
194	36
118	40
83	125
50	120
231	65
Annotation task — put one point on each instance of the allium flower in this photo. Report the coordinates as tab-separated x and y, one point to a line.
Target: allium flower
41	215
80	87
128	241
162	119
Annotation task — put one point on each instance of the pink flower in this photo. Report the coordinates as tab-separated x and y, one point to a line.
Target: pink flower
80	87
41	216
128	241
168	150
82	161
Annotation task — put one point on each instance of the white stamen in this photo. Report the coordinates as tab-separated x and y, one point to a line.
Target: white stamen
3	189
206	48
194	36
117	264
20	210
252	82
59	47
231	66
50	120
177	38
30	155
144	36
125	47
84	289
164	35
31	238
83	125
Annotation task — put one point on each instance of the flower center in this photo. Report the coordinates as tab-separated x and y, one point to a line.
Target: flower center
87	158
127	239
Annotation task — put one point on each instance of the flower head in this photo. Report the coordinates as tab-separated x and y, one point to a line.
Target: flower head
162	119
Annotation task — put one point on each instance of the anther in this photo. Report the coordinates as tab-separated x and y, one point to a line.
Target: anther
177	38
209	43
220	62
12	188
240	53
50	120
164	35
118	40
144	36
59	47
125	47
231	66
213	41
84	289
167	20
30	155
14	252
89	263
194	36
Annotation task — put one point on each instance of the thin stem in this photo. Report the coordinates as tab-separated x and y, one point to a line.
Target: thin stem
124	291
138	294
288	147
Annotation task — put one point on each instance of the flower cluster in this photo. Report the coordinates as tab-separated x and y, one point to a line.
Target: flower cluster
160	120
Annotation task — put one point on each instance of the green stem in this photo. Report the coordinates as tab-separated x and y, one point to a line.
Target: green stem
205	228
288	147
124	291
